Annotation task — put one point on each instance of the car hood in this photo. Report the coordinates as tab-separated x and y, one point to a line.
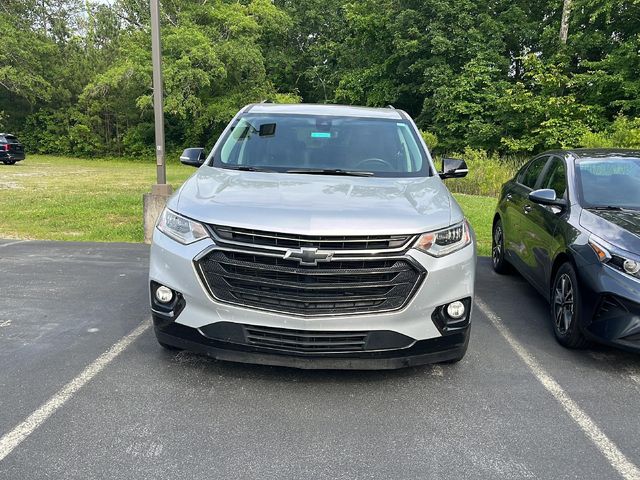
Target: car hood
316	204
622	229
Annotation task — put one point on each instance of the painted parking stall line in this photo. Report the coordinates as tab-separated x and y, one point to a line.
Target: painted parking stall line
15	437
627	469
8	244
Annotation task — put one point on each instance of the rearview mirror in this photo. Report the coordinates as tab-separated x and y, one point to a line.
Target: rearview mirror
546	196
453	168
193	157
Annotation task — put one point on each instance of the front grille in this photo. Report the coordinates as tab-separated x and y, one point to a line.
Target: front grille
286	240
304	340
341	286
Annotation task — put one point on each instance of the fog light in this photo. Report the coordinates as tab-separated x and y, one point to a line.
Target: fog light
631	267
164	294
456	310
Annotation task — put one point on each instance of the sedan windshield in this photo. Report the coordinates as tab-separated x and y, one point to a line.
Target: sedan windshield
323	145
609	183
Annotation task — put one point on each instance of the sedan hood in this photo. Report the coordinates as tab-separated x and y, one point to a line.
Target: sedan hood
316	204
620	228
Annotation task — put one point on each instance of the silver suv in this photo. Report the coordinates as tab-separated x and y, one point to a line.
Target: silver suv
315	236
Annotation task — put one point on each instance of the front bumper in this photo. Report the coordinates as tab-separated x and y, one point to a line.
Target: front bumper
611	301
442	349
448	279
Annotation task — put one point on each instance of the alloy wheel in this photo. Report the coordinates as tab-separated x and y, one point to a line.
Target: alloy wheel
498	239
564	303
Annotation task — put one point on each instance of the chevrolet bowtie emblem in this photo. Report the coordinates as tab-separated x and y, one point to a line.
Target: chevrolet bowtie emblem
308	256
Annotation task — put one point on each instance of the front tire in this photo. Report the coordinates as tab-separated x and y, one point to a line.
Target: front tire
498	260
9	162
565	308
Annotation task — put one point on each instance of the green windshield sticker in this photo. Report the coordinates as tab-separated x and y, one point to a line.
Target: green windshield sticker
320	135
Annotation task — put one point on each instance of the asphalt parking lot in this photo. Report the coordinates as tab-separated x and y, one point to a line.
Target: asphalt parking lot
518	405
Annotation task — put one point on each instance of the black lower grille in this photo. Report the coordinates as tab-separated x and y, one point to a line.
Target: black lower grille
339	286
635	338
305	341
609	305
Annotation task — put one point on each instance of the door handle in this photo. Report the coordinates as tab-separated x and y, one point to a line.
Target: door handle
527	208
509	197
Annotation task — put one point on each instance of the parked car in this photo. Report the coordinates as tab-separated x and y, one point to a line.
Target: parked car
11	150
569	222
315	236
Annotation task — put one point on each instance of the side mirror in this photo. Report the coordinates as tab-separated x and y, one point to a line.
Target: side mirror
453	168
547	196
193	157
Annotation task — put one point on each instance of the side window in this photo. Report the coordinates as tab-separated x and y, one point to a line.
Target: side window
556	178
533	171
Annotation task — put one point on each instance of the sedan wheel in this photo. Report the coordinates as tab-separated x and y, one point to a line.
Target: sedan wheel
500	264
565	308
563	304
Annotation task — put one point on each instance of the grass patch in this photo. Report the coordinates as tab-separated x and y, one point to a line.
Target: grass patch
479	211
61	198
487	172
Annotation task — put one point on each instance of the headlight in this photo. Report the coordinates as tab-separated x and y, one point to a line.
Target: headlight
605	254
446	241
179	228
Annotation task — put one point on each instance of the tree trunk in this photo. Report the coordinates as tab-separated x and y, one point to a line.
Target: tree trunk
564	23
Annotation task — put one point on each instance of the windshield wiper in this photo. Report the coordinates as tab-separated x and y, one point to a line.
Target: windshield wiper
248	168
606	207
330	171
613	208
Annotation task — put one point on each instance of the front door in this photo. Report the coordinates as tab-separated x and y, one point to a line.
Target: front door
517	201
540	224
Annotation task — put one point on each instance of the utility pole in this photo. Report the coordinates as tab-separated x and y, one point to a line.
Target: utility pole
154	202
158	102
564	23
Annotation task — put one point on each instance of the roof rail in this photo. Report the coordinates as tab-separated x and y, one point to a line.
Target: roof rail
391	106
267	100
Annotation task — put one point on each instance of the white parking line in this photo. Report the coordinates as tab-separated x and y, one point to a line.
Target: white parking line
12	439
616	458
2	245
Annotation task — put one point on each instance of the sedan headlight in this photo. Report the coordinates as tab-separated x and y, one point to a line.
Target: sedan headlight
180	228
445	241
606	254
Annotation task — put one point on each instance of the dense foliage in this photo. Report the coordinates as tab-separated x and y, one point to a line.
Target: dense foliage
75	75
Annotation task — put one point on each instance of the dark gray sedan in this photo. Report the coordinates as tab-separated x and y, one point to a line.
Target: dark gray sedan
569	222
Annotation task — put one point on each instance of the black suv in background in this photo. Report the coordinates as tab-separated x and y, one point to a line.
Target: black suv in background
11	150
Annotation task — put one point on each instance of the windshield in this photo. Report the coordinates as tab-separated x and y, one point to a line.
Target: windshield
612	182
323	144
